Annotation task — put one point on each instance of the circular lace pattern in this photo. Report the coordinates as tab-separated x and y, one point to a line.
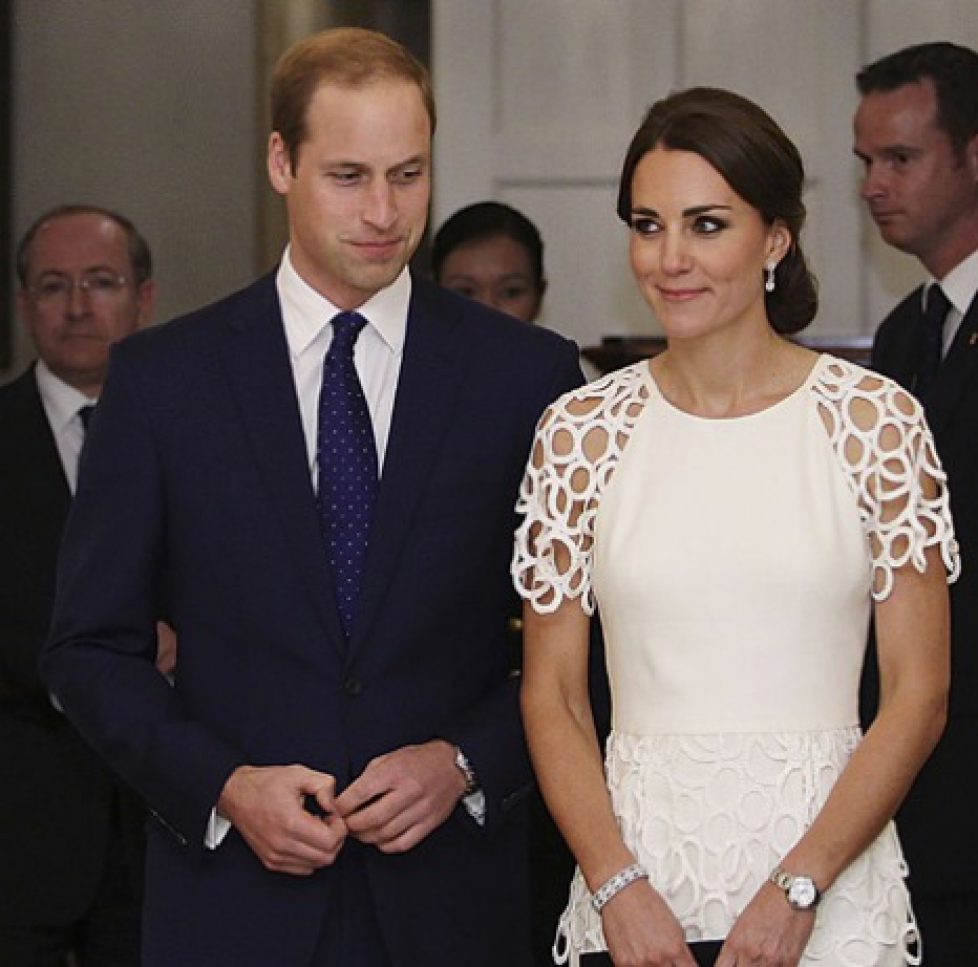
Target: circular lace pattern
709	816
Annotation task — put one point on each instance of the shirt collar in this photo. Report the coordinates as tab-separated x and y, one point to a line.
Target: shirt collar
61	401
305	312
960	284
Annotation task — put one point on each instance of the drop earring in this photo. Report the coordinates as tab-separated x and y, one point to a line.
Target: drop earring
769	277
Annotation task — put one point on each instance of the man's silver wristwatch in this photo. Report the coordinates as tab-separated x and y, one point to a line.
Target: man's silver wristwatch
799	889
465	767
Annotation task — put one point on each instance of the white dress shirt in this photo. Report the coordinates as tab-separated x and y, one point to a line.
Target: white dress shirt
960	286
61	405
377	355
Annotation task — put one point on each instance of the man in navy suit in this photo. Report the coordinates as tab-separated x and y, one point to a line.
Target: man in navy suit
337	776
916	130
70	836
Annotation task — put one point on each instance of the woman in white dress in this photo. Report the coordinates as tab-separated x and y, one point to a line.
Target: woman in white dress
737	507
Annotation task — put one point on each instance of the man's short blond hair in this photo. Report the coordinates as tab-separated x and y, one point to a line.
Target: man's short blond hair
349	57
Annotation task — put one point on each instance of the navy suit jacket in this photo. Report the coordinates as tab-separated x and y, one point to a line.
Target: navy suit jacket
936	822
195	491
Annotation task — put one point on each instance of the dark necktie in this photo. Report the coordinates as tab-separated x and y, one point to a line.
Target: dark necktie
930	339
85	415
346	459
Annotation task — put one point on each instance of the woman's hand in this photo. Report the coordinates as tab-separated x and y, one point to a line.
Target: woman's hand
641	931
769	933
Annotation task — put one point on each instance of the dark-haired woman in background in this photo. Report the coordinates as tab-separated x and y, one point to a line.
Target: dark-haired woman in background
492	253
736	507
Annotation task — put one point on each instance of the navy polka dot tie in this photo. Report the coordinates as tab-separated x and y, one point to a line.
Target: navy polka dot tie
346	459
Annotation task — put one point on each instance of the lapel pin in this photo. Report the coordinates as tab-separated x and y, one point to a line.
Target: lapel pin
973	339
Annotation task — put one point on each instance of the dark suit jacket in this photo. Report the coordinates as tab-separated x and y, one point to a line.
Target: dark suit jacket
936	822
195	488
56	796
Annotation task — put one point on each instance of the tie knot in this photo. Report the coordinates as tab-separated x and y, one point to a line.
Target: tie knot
85	415
346	327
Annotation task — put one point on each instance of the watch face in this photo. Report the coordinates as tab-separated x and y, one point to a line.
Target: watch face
802	893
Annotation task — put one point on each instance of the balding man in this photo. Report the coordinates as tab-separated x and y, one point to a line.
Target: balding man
70	839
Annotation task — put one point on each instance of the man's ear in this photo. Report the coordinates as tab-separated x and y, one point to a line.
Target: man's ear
23	306
279	164
971	158
145	302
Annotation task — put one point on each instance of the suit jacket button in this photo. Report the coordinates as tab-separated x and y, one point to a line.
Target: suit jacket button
353	686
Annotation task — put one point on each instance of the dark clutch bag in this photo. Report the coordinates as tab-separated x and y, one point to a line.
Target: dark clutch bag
705	953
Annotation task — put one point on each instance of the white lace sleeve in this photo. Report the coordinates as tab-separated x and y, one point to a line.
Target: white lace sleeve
881	437
577	446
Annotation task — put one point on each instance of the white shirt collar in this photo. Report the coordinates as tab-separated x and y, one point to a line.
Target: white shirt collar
960	284
306	311
61	401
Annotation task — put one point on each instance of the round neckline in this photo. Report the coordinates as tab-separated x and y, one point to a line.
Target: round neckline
803	386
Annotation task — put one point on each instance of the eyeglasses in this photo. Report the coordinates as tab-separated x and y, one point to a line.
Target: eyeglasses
96	285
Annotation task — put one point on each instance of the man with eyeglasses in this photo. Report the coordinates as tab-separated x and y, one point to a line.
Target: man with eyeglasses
70	837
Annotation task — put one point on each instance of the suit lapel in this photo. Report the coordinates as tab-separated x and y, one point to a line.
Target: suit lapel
894	349
36	447
431	373
956	371
256	359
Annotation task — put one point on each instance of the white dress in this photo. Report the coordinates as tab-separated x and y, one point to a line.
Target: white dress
734	562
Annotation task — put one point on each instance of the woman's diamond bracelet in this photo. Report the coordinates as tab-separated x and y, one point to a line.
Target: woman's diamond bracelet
615	884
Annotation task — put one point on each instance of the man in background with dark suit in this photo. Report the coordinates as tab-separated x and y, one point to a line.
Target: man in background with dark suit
916	131
317	475
70	838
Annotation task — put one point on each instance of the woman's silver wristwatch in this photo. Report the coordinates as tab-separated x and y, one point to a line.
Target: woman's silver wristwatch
799	889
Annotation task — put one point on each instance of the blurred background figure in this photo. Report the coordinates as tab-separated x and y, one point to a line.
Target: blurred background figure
916	132
492	253
71	839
